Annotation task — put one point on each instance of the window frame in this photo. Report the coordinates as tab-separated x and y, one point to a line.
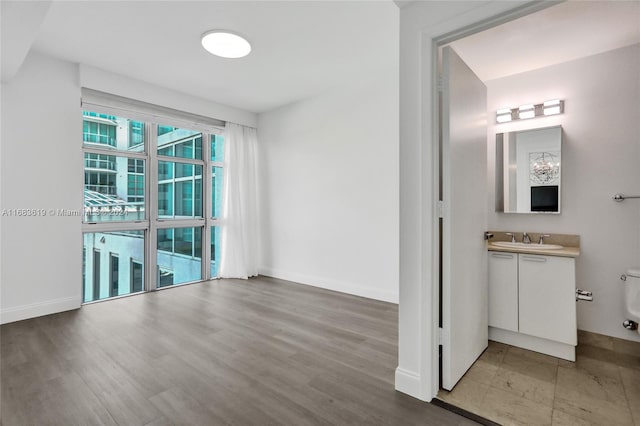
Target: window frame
152	222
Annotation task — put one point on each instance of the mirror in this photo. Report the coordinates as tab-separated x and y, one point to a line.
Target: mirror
528	171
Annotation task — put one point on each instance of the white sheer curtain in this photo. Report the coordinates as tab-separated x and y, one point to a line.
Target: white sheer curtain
239	227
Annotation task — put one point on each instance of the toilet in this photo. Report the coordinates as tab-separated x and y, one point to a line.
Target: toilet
632	299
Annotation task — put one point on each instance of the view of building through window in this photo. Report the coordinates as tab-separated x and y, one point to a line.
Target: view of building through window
119	222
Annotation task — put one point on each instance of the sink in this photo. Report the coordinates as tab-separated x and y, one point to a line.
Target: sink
530	246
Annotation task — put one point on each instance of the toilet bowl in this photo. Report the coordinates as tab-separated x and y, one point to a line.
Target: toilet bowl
632	298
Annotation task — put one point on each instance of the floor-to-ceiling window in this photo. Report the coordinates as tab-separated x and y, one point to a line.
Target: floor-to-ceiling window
147	221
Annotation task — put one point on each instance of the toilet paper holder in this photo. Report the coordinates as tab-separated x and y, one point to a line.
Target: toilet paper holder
585	295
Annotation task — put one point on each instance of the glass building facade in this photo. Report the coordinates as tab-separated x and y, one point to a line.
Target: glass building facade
117	183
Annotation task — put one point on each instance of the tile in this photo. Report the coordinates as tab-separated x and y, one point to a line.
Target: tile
509	409
593	410
531	364
481	371
591	392
560	418
626	347
595	339
595	381
609	356
467	394
494	353
531	356
591	366
525	386
631	385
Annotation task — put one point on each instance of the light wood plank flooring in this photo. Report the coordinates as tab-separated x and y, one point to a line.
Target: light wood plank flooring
256	352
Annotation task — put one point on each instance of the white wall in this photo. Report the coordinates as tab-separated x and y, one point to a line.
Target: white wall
600	157
328	189
41	169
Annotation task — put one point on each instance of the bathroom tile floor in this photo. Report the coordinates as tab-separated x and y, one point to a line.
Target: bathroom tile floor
514	386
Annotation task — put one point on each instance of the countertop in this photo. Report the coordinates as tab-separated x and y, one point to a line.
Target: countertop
563	252
570	243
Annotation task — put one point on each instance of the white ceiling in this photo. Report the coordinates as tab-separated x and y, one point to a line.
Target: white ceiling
300	48
564	32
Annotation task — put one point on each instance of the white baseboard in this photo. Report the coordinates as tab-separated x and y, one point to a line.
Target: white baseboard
33	310
329	284
408	382
549	347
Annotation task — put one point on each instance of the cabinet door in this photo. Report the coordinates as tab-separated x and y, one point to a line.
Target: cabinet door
503	290
547	303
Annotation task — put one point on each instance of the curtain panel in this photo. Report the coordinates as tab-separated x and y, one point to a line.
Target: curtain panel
239	224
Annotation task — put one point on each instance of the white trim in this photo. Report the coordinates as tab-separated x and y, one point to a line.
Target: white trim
330	284
93	100
421	326
22	312
410	383
536	344
118	84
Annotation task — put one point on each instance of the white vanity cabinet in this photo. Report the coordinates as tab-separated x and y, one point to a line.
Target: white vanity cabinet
532	302
547	297
503	290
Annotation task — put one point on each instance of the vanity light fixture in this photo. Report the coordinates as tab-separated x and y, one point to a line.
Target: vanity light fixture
225	44
523	112
526	111
553	107
504	115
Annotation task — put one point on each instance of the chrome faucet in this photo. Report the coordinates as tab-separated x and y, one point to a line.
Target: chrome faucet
542	238
525	238
513	237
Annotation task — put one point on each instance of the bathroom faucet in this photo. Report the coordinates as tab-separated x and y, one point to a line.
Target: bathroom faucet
542	238
525	238
513	237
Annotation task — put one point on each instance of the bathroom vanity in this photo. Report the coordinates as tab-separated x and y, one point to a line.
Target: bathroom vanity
532	294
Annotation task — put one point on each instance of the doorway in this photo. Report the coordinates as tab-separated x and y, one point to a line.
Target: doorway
501	362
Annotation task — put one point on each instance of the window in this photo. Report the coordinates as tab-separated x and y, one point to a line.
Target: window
187	171
113	274
114	188
124	275
179	190
180	251
99	128
135	182
137	276
180	143
136	134
104	131
96	275
165	277
215	250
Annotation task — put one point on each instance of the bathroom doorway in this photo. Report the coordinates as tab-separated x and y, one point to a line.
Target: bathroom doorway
506	375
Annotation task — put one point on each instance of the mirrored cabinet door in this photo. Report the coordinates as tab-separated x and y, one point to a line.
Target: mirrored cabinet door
528	171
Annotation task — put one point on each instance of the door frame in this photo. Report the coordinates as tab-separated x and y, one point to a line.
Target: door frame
423	323
437	43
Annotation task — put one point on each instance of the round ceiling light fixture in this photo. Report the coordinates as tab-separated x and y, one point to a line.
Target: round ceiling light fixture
225	44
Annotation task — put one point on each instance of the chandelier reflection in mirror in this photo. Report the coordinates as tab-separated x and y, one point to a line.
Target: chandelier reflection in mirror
544	167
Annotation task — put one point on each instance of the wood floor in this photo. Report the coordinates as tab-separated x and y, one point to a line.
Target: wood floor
256	352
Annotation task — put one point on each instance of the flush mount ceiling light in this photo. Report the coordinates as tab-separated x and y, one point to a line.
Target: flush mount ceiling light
225	44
